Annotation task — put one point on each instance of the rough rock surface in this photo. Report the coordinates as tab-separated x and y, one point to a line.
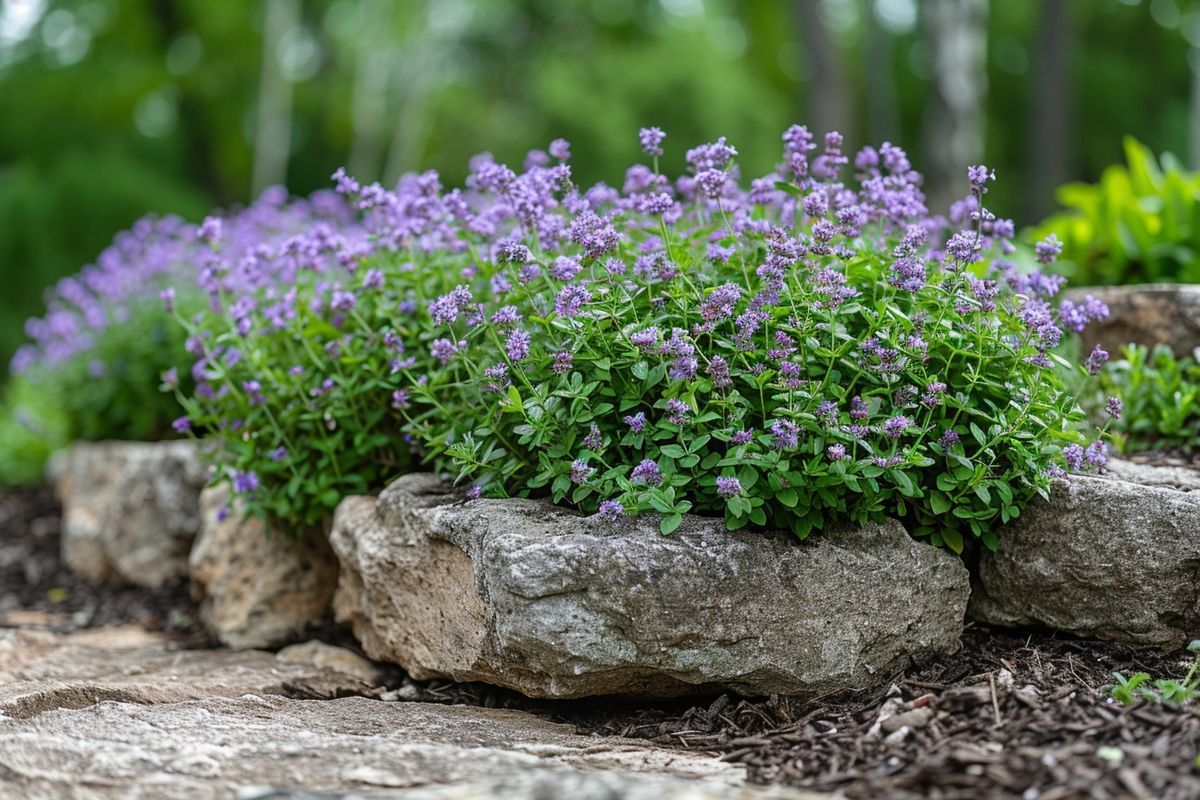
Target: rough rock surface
130	510
1114	557
521	594
258	588
120	717
1147	314
40	671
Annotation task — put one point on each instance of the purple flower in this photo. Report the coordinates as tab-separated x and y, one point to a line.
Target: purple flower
594	440
677	412
712	182
835	452
443	350
611	509
580	471
399	399
895	427
728	486
475	492
1073	455
595	235
1115	407
1096	454
718	370
978	176
1048	249
569	301
720	302
560	149
168	299
742	437
786	434
245	482
181	425
651	140
637	422
564	360
645	340
209	231
517	344
949	438
647	472
1095	360
278	454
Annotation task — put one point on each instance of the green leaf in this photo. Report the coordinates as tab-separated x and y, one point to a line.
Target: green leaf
670	523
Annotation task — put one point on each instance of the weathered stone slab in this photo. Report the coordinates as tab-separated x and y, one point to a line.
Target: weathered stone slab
524	595
40	671
258	587
225	748
1114	557
1148	314
111	714
130	510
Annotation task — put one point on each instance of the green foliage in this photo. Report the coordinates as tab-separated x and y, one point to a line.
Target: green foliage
1139	224
1140	685
851	399
1161	396
32	427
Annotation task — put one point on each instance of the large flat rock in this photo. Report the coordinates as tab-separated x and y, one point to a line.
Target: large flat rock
130	510
42	671
524	595
115	714
1114	557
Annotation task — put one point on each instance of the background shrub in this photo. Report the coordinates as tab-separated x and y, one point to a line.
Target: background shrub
1139	224
107	343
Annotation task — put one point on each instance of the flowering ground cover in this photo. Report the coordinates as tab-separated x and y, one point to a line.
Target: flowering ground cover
105	343
816	344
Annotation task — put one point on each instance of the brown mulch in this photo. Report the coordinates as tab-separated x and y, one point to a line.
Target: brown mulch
36	588
1009	716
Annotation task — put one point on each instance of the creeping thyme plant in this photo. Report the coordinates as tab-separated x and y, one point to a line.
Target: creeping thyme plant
98	356
814	347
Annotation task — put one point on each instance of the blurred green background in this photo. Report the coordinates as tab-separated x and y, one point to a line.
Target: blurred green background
110	109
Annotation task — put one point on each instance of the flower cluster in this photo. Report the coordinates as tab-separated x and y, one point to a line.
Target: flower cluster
814	346
108	340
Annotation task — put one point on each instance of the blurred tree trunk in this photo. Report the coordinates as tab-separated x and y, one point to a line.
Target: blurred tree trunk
1194	120
883	118
1049	125
828	90
372	72
273	118
954	129
194	122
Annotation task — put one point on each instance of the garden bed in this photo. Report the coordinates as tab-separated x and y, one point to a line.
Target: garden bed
1009	714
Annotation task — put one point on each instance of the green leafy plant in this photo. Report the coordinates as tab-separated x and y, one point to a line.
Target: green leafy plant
32	427
1160	395
1140	685
800	352
1139	224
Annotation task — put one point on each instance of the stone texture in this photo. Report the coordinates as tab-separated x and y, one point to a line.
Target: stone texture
1114	557
40	671
115	716
258	587
1147	314
521	594
130	510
